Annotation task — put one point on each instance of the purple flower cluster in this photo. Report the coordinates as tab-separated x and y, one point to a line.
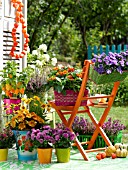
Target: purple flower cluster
83	126
112	127
41	138
63	137
113	62
7	138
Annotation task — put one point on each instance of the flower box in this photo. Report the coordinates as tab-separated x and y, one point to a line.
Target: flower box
106	78
100	143
69	99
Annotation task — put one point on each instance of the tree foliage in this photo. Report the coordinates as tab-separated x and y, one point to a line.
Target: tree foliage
69	26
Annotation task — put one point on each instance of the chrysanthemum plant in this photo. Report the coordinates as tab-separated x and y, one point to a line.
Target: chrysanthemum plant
63	137
41	138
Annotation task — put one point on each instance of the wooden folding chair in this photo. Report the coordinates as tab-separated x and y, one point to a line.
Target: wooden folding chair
73	110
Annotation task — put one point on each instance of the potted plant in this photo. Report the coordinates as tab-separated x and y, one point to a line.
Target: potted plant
109	68
66	82
84	129
13	84
21	123
63	139
7	140
42	139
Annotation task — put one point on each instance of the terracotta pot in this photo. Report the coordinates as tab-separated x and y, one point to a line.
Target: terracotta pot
25	151
44	155
63	155
3	154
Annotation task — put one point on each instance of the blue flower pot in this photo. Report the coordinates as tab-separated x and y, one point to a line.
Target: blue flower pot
25	149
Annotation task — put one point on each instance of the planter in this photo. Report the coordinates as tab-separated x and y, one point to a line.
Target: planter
63	155
9	105
3	154
99	143
25	149
44	155
106	78
69	99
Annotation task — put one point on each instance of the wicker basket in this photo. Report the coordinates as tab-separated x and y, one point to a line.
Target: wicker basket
106	78
69	99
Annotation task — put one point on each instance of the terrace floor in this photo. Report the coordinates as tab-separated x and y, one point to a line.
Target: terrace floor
76	163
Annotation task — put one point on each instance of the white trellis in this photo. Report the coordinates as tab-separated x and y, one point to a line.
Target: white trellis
7	15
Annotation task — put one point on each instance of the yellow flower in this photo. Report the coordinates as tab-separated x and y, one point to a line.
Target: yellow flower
13	123
36	98
20	117
40	120
22	126
44	105
28	115
32	123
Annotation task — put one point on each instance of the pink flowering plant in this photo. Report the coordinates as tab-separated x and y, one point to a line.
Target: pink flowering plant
7	138
63	138
113	62
41	138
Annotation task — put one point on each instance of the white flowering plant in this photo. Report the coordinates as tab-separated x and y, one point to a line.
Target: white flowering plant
40	58
41	62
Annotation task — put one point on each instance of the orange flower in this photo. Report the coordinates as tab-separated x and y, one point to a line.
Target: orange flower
55	68
71	69
22	126
70	77
13	123
32	123
21	91
20	117
28	115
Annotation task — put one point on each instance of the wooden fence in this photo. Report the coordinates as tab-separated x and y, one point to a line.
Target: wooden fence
106	49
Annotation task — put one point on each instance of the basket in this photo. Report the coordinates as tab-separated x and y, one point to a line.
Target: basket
69	99
106	78
99	143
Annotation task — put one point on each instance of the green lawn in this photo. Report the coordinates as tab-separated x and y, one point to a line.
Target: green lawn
120	113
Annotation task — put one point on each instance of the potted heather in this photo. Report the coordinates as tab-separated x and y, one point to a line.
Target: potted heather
109	68
66	82
63	139
7	140
43	140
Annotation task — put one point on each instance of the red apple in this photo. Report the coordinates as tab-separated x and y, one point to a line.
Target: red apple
103	155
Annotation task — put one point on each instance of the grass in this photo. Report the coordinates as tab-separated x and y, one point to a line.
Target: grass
120	113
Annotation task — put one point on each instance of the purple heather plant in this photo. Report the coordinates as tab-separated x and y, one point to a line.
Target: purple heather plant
113	62
7	138
63	137
113	127
41	138
82	126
